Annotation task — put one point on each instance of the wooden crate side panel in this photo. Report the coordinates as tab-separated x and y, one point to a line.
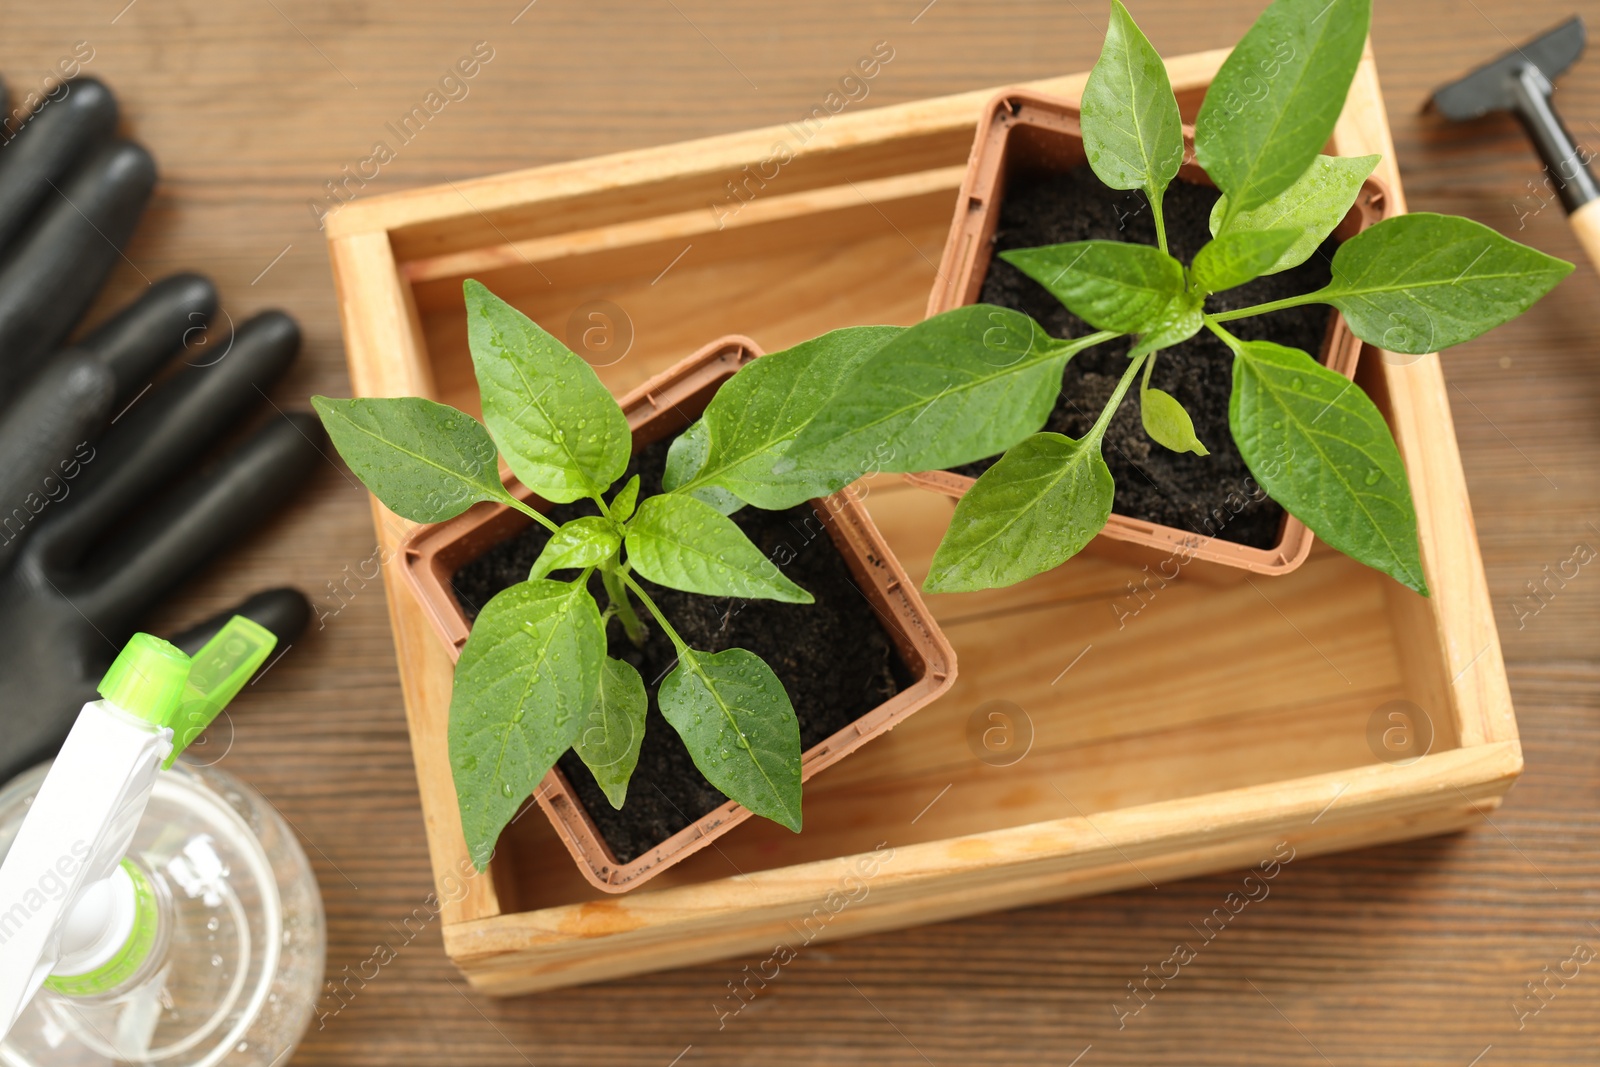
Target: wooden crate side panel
980	872
386	359
515	206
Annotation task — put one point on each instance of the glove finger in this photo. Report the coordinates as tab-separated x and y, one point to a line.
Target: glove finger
52	273
284	611
44	442
139	340
208	514
163	434
51	140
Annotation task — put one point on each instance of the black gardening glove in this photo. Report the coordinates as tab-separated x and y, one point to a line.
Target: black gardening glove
101	510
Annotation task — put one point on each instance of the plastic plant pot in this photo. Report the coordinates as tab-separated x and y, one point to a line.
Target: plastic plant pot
1023	132
658	409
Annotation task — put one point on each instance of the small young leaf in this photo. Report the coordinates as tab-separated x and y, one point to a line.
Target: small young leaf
1184	321
558	427
1319	447
1274	102
756	416
739	727
1132	132
1167	423
687	544
1033	510
627	498
1111	285
610	740
427	462
1423	282
686	457
526	681
1313	206
584	542
955	388
1239	256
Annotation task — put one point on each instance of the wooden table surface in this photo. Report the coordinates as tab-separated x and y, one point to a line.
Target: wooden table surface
1416	953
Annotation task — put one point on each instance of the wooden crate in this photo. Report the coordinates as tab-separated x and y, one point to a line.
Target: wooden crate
1191	738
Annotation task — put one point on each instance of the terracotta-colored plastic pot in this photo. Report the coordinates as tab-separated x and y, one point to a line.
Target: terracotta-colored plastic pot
660	408
1025	132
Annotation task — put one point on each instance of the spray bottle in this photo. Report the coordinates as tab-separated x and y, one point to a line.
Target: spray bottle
153	912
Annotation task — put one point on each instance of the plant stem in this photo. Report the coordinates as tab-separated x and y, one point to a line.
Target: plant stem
1072	346
1098	431
666	626
1161	222
1150	365
612	578
1262	309
1227	338
530	512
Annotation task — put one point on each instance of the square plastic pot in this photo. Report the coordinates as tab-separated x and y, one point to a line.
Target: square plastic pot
1024	132
660	408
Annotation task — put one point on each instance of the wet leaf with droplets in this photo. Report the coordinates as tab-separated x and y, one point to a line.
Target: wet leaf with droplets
609	742
427	462
558	427
587	541
749	428
714	699
1331	462
685	543
1033	510
527	678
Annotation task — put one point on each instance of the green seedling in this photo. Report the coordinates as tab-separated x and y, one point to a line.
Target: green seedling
982	380
534	678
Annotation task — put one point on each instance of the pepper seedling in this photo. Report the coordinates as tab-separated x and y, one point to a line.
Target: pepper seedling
534	678
982	380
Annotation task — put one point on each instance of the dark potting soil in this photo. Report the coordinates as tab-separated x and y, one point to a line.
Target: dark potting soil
1189	492
834	658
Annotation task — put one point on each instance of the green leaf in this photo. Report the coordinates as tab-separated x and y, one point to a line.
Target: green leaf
1239	256
1184	320
1274	102
1111	285
1319	447
686	457
1132	132
611	736
526	681
757	415
427	462
740	729
955	388
1313	206
584	542
1423	282
1167	423
1033	510
687	544
627	497
558	427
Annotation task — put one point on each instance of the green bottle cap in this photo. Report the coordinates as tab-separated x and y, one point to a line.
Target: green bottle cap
147	679
154	680
221	668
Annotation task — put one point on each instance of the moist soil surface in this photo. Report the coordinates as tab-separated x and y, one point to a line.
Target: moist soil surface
1181	490
834	658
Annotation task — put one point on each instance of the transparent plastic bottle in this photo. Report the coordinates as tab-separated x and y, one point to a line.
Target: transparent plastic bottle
237	967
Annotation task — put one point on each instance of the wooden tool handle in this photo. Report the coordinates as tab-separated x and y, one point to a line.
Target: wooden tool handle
1586	223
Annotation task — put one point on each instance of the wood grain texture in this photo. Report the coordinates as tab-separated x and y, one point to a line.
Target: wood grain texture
1406	954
